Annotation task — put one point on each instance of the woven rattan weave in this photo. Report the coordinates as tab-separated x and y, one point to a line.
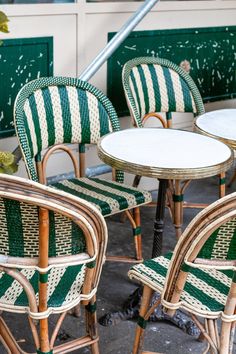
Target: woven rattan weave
48	264
52	112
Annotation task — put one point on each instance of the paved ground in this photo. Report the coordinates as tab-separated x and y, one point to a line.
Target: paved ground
115	287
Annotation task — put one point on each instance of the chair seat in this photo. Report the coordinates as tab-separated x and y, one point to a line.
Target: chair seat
108	196
205	291
64	289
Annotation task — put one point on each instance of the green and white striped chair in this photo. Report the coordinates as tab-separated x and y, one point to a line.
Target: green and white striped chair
199	277
48	267
52	112
156	87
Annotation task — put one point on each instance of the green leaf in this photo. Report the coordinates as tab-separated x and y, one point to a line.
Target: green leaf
3	22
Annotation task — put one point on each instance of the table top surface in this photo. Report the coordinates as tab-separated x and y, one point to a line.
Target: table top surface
220	124
165	153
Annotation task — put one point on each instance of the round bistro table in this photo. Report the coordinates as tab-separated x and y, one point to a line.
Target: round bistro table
165	154
221	125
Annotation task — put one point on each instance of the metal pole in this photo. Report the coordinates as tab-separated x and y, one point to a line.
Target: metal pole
123	33
109	49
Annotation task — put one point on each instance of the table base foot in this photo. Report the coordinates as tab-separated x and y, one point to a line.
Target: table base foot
131	311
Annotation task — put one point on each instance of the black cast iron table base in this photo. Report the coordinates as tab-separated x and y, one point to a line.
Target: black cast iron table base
131	306
131	310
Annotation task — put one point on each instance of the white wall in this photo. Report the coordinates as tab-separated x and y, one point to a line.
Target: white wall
80	32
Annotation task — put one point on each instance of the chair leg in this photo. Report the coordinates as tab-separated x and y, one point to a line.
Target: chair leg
137	234
225	337
178	208
91	324
213	333
7	339
139	335
43	335
222	185
95	348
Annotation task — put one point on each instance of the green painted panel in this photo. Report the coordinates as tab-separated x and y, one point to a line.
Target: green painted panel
21	60
211	53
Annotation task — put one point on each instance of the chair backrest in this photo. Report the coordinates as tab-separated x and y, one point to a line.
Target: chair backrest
60	110
75	235
158	85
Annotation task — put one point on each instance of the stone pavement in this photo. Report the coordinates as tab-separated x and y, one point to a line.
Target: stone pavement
115	287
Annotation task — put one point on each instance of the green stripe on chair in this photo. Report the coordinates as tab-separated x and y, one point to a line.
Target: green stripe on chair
59	294
77	240
104	120
155	88
204	298
14	226
5	283
66	114
28	134
144	88
232	247
49	116
211	280
34	112
85	121
133	79
188	106
170	89
52	235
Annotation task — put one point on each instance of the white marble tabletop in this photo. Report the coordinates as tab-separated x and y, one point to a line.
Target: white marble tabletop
219	124
165	153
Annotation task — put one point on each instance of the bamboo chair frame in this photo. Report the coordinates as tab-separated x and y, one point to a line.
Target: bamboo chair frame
174	191
94	229
185	255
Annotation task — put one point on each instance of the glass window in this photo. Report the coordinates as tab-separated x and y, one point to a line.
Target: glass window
34	1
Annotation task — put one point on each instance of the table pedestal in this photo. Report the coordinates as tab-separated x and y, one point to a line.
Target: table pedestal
160	215
131	306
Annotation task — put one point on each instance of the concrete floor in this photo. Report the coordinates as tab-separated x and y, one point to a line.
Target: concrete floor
115	287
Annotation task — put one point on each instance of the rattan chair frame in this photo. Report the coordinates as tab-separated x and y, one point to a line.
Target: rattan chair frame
93	225
185	255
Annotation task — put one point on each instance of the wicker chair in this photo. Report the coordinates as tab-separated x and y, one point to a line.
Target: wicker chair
48	267
153	86
199	276
52	112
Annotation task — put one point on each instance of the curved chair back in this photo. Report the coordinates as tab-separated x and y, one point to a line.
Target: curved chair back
48	264
155	85
75	235
59	110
